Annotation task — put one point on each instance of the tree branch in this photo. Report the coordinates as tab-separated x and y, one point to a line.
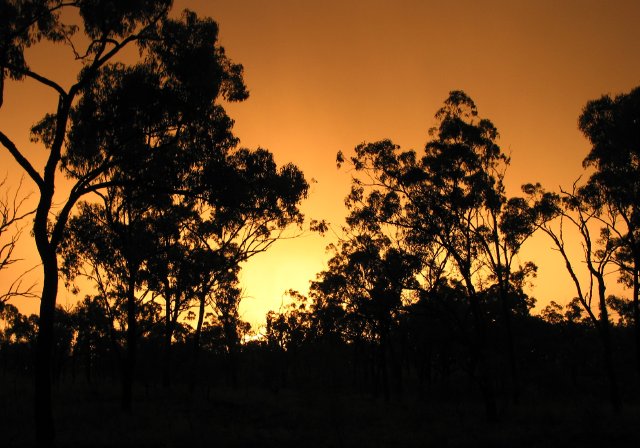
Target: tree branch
22	160
41	79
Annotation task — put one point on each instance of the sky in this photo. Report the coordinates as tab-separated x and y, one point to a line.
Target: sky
325	76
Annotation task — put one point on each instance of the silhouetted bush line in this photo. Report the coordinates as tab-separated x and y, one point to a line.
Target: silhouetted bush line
323	393
557	358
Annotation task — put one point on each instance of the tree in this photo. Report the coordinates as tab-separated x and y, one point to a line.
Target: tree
366	279
246	204
612	125
95	339
110	244
17	337
576	208
208	204
471	217
449	209
178	56
225	313
237	203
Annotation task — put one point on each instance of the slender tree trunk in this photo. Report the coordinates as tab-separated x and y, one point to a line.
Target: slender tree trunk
384	371
45	431
607	346
427	374
395	365
129	361
636	311
232	357
166	370
88	367
484	382
374	372
503	276
511	350
478	357
195	367
44	426
614	392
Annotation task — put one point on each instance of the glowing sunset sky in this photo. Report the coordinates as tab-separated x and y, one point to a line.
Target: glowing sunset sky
327	75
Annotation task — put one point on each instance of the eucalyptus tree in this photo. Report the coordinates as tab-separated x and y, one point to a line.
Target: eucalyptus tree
173	136
241	204
213	205
366	281
226	314
612	125
183	273
110	244
94	342
576	212
181	70
449	208
190	236
468	211
246	204
17	340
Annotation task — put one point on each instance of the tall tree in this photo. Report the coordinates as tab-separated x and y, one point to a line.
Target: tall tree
451	211
110	244
576	209
174	276
612	125
247	204
183	72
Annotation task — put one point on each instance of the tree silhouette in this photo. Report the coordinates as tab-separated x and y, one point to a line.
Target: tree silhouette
450	210
17	336
226	315
95	339
481	230
246	204
366	280
213	206
110	244
182	74
576	209
612	125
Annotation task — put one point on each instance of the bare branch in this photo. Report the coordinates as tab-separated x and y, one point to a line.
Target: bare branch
16	288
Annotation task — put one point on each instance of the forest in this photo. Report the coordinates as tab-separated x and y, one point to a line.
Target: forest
419	332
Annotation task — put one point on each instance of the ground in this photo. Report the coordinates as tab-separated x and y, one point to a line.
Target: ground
89	415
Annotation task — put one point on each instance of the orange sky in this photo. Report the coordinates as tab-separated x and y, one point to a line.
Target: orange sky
327	75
